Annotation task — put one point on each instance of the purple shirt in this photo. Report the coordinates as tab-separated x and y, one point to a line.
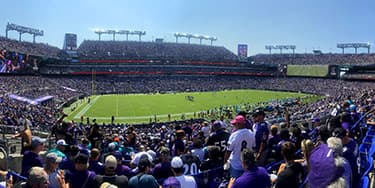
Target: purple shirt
254	177
261	134
29	160
79	178
162	171
123	170
96	166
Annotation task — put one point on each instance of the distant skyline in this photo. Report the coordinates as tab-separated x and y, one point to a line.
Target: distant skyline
308	24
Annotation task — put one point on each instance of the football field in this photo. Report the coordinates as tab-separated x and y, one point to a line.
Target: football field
140	108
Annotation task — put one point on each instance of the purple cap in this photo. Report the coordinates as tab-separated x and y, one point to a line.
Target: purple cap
323	170
345	125
171	182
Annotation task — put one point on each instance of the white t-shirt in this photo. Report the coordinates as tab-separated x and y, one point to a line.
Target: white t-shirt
187	181
138	156
242	138
206	131
199	153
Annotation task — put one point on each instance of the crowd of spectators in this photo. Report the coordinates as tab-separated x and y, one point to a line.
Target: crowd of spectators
102	50
33	87
34	49
182	153
13	62
190	153
313	59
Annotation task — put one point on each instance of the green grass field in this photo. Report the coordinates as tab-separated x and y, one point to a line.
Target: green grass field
136	108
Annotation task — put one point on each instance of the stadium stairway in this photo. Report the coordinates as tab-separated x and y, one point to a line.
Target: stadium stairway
366	153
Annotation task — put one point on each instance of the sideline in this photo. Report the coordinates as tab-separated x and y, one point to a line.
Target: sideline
86	108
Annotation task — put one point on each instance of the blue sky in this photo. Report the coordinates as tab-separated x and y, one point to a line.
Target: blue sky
308	24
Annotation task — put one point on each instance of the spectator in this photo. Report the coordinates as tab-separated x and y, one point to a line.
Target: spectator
25	135
253	176
290	173
81	177
163	170
94	164
179	146
261	136
143	179
349	152
239	140
171	182
59	149
110	174
186	181
31	158
37	177
56	177
219	137
336	145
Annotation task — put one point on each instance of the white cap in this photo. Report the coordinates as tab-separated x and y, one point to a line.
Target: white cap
61	142
177	162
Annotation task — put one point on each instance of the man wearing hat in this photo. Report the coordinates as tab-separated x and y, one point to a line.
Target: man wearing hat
261	136
179	145
31	158
238	140
143	179
186	181
219	137
110	176
163	170
60	148
56	178
81	177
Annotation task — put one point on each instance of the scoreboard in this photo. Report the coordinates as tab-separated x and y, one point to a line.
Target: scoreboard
70	42
242	51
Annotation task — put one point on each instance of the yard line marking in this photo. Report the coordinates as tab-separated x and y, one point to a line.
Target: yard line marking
87	107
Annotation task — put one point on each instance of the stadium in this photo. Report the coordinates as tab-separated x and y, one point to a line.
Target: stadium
166	110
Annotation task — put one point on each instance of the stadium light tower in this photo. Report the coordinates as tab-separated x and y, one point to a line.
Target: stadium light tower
195	36
139	33
113	32
21	30
99	32
212	39
280	47
355	46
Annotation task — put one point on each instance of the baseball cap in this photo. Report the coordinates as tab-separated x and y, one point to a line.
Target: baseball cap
35	141
217	125
239	119
61	142
53	158
81	159
171	182
110	162
316	120
177	162
107	185
323	170
164	150
259	112
117	155
111	146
